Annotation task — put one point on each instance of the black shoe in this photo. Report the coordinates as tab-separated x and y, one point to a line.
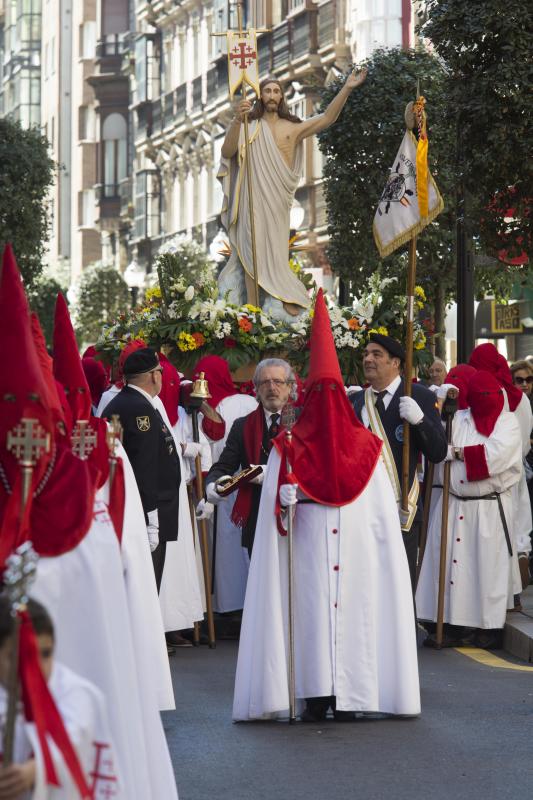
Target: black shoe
490	639
316	709
344	716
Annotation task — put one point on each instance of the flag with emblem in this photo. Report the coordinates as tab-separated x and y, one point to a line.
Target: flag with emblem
410	199
243	66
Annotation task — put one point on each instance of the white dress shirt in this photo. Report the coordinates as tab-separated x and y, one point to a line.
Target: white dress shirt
391	390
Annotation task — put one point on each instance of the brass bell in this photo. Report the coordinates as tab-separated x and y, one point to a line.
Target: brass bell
200	389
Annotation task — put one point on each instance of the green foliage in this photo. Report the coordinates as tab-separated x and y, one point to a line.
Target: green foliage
182	261
360	149
103	294
42	296
486	45
26	173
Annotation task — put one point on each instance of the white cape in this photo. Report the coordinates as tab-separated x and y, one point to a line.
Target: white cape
480	575
85	594
232	561
354	618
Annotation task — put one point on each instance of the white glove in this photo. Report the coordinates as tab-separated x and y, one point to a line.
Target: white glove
204	510
258	480
191	449
153	537
442	391
211	491
351	390
287	494
410	411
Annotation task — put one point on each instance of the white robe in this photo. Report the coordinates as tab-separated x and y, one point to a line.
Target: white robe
106	398
82	709
232	561
523	523
354	626
480	574
84	592
180	595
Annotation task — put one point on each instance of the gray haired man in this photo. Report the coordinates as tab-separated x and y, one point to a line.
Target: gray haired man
250	440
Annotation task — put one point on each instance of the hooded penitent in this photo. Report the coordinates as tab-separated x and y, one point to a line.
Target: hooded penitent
59	510
332	454
485	398
460	376
96	378
486	357
218	377
170	388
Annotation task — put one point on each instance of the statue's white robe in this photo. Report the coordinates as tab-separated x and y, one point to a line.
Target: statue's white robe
274	184
232	561
85	593
83	711
480	574
354	626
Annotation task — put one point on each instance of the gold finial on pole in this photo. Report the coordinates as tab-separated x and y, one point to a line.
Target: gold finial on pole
83	439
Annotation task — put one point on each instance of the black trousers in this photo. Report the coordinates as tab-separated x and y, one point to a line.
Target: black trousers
158	560
410	541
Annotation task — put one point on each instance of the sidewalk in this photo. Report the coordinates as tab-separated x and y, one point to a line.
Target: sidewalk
518	634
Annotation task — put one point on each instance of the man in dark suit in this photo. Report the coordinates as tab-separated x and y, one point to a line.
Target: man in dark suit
250	440
384	407
151	450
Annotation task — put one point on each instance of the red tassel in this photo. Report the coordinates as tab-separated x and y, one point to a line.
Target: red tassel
40	707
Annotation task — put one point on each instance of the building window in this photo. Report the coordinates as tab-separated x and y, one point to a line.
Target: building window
115	136
147	204
86	124
147	79
86	208
88	39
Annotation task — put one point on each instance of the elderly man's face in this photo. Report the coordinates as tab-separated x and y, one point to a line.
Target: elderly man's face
437	373
273	389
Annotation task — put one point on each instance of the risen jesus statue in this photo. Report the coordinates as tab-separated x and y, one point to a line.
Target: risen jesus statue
276	154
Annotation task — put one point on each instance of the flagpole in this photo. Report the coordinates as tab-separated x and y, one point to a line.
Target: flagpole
408	375
249	172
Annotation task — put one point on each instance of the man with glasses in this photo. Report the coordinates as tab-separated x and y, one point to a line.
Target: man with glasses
249	443
151	450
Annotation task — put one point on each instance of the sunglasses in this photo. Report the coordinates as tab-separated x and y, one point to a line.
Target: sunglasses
528	380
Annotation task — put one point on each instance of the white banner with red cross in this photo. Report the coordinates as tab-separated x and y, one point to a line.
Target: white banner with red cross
243	65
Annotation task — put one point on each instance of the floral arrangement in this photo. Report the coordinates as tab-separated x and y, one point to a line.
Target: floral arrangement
185	314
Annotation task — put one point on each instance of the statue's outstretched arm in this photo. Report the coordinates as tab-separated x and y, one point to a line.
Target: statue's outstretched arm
320	122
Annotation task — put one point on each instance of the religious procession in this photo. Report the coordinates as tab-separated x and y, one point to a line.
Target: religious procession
266	487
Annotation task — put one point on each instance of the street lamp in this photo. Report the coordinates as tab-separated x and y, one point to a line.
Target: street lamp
135	277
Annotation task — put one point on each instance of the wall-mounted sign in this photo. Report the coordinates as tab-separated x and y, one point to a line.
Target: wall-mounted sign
505	318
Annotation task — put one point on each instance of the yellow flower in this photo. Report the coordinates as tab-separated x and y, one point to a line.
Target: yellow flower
251	308
420	293
381	329
186	342
154	292
420	342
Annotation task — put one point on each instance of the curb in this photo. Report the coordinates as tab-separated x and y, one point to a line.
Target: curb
518	631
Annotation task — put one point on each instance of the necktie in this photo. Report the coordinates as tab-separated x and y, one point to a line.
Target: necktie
380	405
274	426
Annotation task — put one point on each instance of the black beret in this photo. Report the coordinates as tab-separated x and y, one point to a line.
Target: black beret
393	347
140	361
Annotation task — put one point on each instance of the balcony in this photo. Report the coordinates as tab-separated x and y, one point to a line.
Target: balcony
143	127
197	94
281	45
326	24
180	101
108	201
125	195
168	110
156	116
109	53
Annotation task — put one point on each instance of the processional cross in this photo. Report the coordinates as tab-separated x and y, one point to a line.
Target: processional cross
28	442
84	439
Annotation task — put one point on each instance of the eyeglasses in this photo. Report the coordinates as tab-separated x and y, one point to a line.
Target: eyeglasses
529	379
277	382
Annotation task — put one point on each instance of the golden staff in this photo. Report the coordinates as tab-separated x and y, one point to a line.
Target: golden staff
28	442
200	391
242	32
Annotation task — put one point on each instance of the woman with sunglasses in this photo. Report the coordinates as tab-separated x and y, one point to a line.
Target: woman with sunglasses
522	373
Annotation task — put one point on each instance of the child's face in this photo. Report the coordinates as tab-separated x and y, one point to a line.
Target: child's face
45	648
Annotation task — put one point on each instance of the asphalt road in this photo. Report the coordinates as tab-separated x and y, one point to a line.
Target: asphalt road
473	740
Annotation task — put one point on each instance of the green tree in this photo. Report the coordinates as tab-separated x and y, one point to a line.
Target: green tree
103	294
486	46
26	173
359	151
42	295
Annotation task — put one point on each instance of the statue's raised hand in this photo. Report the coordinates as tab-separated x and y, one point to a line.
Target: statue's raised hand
356	78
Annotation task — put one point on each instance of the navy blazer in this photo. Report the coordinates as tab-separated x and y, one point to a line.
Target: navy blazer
428	437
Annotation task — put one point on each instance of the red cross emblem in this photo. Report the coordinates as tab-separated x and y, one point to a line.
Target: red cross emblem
242	55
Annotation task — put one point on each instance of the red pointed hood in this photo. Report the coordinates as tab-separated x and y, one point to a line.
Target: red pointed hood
460	376
218	377
485	397
23	388
67	363
47	366
485	356
333	456
170	388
